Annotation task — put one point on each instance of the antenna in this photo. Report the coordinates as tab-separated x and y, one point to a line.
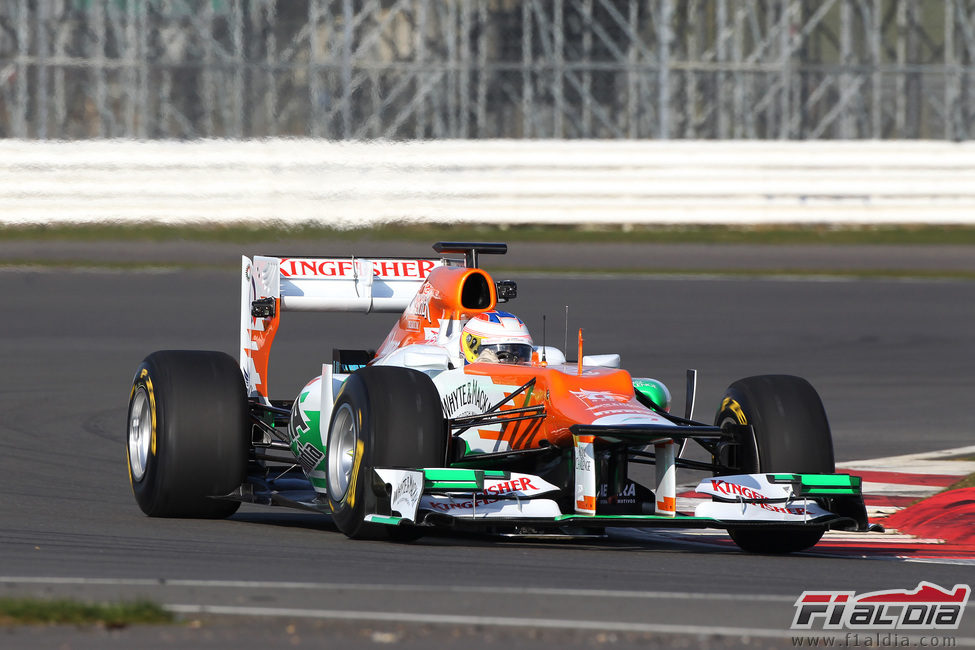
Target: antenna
565	343
543	340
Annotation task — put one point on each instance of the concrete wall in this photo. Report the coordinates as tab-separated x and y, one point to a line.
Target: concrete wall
501	182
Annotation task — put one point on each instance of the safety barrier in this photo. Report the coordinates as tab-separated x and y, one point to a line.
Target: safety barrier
351	184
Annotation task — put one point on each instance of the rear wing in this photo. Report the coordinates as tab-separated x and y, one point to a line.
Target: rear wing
270	285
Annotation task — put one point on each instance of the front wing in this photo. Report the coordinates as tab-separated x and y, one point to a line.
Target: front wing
474	498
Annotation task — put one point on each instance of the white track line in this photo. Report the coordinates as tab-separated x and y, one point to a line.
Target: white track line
898	489
957	468
930	462
875	538
503	621
332	586
487	621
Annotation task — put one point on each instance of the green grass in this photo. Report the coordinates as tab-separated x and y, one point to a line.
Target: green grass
861	274
967	482
33	611
117	265
770	235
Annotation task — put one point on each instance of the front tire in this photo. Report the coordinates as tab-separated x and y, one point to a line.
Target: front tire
383	417
792	434
187	434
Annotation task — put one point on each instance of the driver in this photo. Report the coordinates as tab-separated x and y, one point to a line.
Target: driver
496	337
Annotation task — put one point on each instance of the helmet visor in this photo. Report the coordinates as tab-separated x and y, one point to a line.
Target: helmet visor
510	352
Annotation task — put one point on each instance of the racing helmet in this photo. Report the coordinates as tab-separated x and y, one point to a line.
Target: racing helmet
496	336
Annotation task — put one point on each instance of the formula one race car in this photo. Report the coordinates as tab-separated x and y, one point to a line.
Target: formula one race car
460	421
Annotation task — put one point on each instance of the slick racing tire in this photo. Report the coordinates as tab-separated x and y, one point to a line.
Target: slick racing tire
383	417
188	438
791	435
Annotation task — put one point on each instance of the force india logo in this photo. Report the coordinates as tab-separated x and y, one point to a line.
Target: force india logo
928	607
604	403
594	399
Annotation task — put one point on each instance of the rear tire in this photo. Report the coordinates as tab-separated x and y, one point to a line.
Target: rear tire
791	435
187	434
383	417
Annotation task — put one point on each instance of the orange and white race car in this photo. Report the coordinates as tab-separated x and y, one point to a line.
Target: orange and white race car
459	420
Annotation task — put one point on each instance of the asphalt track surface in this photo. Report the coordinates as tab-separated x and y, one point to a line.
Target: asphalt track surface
892	360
